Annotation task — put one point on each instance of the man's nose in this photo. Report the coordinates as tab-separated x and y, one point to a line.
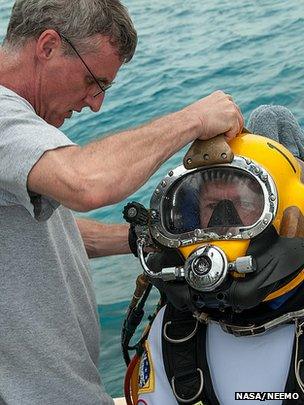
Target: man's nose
95	102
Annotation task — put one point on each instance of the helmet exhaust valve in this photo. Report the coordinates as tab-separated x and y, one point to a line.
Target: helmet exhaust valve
206	268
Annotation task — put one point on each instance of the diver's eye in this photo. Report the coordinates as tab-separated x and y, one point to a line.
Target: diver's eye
247	205
211	206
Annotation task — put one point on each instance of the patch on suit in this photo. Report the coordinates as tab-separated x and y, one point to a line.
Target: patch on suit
146	372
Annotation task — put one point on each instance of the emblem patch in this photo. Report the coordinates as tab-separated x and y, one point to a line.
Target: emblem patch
146	372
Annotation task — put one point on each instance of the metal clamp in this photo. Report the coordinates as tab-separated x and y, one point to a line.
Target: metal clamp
238	330
298	363
184	339
186	401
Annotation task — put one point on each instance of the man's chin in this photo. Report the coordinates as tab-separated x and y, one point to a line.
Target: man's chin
55	121
58	124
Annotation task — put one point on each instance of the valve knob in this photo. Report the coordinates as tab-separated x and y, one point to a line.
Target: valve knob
135	213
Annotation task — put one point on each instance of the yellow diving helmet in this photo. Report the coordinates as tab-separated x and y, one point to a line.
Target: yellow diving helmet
235	214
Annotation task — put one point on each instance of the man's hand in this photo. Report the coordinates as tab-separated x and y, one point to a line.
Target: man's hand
217	114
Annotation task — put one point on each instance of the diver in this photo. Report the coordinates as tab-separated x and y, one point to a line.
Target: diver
229	229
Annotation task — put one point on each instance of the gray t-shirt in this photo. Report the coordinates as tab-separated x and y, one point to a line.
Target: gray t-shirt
49	329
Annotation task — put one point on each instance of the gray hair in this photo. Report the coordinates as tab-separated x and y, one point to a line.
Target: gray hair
76	20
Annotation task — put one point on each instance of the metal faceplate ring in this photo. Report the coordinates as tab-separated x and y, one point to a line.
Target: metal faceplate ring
168	239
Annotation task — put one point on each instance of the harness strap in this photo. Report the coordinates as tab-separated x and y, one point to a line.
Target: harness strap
184	360
290	317
186	366
296	370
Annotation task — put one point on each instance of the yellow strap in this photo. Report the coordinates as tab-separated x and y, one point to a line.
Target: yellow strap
286	288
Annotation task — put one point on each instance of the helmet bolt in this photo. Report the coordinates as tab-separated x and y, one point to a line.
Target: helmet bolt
132	212
264	177
153	214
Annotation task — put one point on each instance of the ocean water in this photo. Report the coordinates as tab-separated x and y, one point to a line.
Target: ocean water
252	50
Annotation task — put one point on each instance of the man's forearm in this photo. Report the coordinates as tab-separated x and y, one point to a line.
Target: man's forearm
103	239
118	165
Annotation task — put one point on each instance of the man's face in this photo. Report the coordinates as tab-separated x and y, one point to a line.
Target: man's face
66	85
237	199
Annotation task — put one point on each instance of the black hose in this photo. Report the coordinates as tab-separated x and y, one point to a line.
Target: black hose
133	319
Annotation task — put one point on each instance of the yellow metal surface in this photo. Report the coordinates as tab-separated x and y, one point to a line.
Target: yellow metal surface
232	248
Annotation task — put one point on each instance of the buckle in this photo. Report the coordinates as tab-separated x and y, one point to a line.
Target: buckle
186	401
251	330
182	340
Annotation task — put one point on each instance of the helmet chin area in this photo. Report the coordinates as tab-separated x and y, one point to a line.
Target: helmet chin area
207	269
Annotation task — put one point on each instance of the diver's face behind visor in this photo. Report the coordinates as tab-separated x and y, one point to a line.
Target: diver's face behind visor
220	200
229	200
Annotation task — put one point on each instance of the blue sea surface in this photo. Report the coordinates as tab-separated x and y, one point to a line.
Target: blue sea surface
252	50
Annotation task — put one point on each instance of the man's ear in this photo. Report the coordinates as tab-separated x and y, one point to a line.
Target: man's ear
48	44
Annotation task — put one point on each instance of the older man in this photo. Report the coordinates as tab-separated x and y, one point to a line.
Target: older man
58	57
